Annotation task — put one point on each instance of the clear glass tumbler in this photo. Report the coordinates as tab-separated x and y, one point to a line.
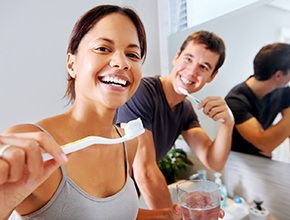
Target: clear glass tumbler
200	199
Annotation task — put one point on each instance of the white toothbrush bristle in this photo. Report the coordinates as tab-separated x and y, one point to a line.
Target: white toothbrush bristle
134	128
183	91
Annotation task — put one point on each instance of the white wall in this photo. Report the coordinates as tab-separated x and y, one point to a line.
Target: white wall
206	10
33	41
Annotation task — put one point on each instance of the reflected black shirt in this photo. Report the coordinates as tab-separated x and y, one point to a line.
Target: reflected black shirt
245	105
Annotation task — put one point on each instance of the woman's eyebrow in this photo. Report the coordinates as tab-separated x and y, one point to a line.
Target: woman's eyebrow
105	39
112	42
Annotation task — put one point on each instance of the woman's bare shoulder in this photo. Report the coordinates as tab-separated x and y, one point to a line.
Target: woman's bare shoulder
21	128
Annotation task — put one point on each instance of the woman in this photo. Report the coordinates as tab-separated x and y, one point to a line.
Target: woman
104	58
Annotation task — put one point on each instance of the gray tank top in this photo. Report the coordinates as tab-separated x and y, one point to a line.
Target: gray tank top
70	202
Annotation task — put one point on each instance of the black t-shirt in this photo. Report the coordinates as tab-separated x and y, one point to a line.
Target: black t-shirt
245	105
149	103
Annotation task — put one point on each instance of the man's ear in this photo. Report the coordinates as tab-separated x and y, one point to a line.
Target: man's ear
212	76
175	57
278	74
70	61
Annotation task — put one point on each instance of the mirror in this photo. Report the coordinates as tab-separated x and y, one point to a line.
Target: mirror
244	33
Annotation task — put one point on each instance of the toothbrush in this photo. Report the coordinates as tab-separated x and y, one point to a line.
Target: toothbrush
185	92
132	129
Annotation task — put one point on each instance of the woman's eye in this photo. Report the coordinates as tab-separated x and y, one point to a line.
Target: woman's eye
103	49
187	59
132	55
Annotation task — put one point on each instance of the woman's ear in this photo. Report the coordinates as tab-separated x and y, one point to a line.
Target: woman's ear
70	61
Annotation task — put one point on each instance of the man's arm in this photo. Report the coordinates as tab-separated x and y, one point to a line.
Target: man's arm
266	140
148	176
285	113
213	154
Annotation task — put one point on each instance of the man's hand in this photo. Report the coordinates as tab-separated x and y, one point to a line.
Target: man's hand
216	108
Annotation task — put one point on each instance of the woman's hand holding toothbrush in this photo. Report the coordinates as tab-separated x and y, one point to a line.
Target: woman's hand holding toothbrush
22	169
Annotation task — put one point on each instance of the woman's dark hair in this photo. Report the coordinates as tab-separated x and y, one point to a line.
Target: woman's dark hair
87	22
213	43
270	59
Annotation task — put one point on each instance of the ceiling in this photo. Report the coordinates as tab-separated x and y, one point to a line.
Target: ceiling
283	4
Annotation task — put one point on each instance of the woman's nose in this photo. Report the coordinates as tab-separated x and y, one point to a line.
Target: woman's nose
120	61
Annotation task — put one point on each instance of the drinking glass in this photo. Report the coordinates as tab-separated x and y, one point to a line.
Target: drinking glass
199	199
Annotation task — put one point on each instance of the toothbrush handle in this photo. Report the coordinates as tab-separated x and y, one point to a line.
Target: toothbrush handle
194	99
198	102
83	143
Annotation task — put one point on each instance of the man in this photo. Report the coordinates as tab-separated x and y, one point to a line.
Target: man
256	102
166	114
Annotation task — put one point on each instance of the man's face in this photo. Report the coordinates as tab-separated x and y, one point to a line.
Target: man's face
284	80
193	67
287	79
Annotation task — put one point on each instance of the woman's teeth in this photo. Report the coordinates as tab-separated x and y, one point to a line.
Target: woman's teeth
114	81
